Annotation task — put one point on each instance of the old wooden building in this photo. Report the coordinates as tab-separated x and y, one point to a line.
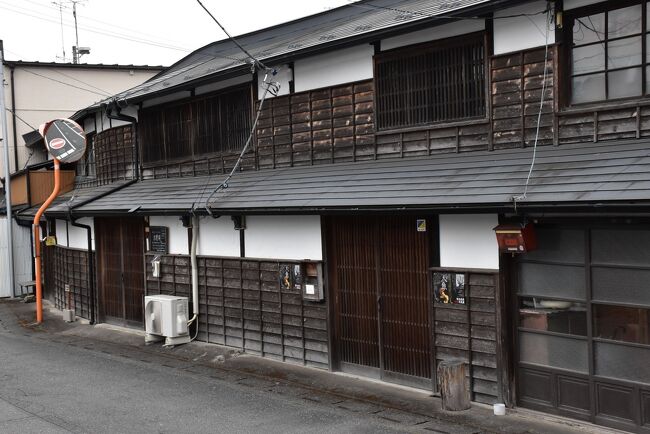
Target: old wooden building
387	146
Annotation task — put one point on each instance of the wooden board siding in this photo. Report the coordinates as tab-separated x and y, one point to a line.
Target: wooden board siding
516	89
468	333
321	126
241	305
63	265
114	154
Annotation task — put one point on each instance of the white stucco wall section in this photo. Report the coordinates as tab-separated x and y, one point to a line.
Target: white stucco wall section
218	237
284	237
78	237
521	33
434	33
61	232
337	67
468	241
283	76
22	248
572	4
178	238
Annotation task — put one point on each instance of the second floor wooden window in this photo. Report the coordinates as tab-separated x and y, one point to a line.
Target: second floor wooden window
191	128
609	56
437	82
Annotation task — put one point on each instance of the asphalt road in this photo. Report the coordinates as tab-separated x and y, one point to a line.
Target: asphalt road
57	387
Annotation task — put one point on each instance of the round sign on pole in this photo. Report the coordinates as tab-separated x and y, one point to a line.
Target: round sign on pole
65	140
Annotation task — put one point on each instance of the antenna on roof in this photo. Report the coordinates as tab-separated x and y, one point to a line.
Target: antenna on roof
61	7
77	51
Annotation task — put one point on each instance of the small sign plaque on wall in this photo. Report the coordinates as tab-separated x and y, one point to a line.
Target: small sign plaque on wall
158	240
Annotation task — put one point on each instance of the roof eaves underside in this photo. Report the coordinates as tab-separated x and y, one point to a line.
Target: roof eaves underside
602	174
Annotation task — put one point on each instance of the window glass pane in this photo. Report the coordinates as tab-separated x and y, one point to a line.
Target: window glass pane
620	246
553	316
624	83
559	281
554	351
647	45
565	245
624	52
623	362
588	59
621	285
588	88
647	80
629	324
589	29
625	21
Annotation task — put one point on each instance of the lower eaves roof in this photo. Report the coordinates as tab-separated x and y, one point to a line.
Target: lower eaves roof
586	174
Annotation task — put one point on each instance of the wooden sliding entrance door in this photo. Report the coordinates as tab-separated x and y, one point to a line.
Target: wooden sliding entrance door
120	269
378	268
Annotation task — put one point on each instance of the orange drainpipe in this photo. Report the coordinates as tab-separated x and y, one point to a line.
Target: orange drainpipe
37	241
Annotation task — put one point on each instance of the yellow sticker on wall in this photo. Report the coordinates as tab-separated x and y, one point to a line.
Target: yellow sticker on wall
50	241
422	225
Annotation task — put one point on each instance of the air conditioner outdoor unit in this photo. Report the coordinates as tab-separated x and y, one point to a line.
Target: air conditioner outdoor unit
165	317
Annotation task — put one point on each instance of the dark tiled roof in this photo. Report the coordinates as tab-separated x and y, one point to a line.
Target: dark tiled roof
328	28
580	174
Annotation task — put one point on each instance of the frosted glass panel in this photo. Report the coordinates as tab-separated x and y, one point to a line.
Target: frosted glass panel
553	351
624	83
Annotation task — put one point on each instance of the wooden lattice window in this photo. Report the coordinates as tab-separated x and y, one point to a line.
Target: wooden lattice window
441	81
203	125
608	51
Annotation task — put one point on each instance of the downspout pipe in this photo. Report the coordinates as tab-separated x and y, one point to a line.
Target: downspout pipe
195	274
91	265
114	106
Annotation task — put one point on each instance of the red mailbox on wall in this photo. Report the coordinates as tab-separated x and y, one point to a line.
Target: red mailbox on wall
516	238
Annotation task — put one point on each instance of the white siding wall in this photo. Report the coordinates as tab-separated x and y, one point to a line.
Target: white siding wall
521	33
283	237
61	232
79	236
338	67
468	241
22	249
434	33
572	4
178	241
217	237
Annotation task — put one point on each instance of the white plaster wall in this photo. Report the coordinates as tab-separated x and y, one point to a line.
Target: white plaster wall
78	236
521	33
434	33
22	249
178	238
61	232
572	4
283	237
468	241
283	77
337	67
217	237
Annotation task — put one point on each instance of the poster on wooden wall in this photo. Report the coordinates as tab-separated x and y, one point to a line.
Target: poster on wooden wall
449	288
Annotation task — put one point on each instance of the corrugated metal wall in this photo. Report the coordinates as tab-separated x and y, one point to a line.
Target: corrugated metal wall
22	257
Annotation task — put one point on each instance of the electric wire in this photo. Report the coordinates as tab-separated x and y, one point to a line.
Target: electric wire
67	84
234	41
524	195
224	184
80	81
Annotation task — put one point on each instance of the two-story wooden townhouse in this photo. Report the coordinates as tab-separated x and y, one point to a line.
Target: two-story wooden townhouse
401	135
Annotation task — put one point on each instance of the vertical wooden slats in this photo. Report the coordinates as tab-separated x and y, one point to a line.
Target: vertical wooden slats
113	150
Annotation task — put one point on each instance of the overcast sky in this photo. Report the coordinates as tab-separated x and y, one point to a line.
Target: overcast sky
152	32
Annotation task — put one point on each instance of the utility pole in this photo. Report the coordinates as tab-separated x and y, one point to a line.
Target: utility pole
7	172
75	50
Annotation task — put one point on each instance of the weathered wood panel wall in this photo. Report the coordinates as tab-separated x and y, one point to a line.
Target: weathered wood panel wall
328	125
468	333
64	265
516	90
114	154
242	305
